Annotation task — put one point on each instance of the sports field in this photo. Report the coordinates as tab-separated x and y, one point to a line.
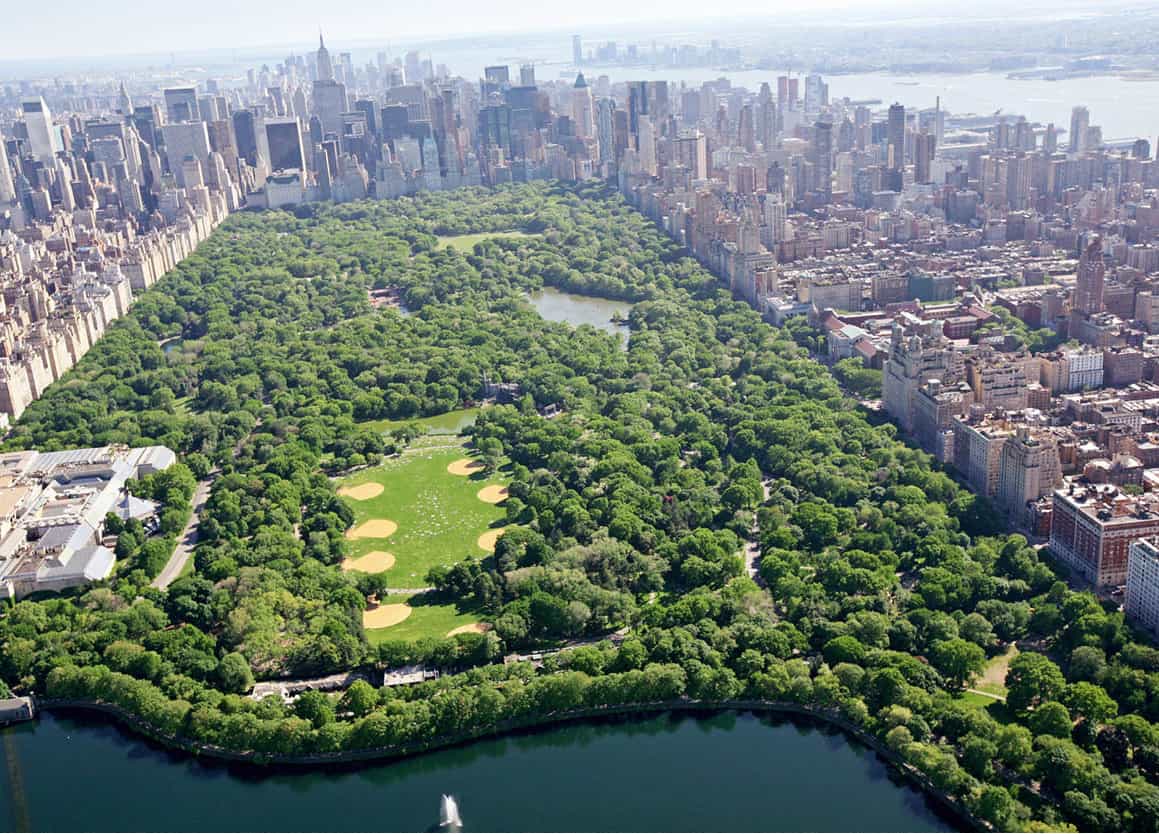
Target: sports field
428	512
425	619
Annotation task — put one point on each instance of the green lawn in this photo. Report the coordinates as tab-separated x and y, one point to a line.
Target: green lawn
427	620
452	422
466	243
993	677
439	516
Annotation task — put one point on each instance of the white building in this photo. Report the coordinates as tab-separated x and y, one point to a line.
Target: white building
53	507
1141	598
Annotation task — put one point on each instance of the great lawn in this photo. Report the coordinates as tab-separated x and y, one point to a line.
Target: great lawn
466	243
439	515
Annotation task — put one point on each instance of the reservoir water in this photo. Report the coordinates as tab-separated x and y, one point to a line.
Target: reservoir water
727	772
575	310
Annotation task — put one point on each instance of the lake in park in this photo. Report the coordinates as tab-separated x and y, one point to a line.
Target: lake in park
575	310
728	772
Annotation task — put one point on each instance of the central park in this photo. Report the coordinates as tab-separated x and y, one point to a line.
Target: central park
664	505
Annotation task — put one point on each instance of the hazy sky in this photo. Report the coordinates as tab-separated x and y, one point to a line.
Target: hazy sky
57	28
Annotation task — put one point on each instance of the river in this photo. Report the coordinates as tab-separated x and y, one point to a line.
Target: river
575	310
722	773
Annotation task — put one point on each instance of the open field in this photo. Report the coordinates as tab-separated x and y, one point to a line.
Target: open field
439	517
425	620
452	422
993	677
466	243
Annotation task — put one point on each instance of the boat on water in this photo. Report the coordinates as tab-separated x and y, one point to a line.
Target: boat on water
449	813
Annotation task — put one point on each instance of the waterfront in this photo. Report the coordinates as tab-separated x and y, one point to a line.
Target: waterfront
1122	108
723	773
576	310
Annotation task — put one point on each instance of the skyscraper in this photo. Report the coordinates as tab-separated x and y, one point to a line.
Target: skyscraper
181	105
7	186
1080	121
577	50
283	144
925	144
41	134
895	138
1088	289
324	64
823	151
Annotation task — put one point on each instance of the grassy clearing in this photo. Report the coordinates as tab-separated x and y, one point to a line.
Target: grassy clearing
466	243
993	677
427	619
438	514
453	422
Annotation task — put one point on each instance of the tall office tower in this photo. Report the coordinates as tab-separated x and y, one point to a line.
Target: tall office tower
766	117
895	138
577	50
246	136
325	68
606	128
498	76
816	93
862	127
185	139
221	141
1088	289
823	153
647	149
692	153
282	140
895	147
925	146
41	133
527	75
124	103
147	120
637	108
7	186
1050	139
329	105
783	91
181	105
64	186
1018	170
1080	122
746	132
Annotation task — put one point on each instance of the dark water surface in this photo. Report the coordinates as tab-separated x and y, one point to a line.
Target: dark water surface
722	773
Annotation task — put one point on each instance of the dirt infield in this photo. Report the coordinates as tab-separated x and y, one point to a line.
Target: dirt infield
382	616
493	494
488	540
376	561
362	492
376	528
465	466
470	628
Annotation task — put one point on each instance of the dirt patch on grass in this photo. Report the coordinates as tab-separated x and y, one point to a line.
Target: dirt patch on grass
376	528
465	466
993	677
376	561
493	494
488	540
362	492
470	628
384	616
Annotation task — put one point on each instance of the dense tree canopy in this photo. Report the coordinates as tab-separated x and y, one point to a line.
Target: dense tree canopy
883	587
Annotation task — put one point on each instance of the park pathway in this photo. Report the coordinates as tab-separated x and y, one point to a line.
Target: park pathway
188	539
